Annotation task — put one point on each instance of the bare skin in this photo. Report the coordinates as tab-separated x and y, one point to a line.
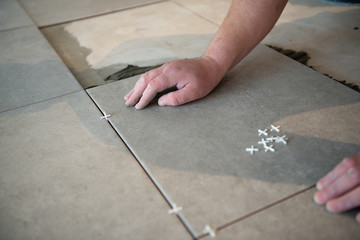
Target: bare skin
339	190
246	24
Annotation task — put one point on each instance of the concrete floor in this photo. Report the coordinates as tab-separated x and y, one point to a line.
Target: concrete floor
68	173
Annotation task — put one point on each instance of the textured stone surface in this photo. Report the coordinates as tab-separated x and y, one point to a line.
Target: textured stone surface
12	15
47	12
296	218
30	70
143	36
65	174
197	151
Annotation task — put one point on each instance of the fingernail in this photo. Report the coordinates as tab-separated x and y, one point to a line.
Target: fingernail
319	186
162	102
316	199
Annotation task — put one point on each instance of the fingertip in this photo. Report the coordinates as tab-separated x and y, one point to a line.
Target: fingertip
358	218
319	186
162	102
316	199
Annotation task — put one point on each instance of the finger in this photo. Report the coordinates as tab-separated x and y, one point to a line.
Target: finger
345	202
338	171
155	86
127	96
141	85
179	97
358	217
343	184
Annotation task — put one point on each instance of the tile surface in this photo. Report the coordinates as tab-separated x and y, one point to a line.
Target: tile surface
328	32
65	174
212	10
197	151
296	218
95	48
47	12
12	15
30	70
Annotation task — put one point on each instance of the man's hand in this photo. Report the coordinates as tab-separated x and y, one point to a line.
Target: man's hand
340	189
194	79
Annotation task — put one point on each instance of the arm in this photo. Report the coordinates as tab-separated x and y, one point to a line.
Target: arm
246	24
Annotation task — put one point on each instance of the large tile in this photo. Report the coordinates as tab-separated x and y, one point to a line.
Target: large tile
197	151
97	47
12	15
45	12
296	218
328	32
65	174
30	70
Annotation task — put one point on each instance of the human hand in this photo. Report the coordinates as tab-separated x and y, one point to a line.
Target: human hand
194	79
339	190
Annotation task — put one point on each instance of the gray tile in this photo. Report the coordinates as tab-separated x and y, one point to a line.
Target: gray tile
328	32
296	218
197	151
12	15
45	12
65	174
30	70
157	33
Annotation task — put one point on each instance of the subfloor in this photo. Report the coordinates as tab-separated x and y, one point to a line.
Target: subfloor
76	163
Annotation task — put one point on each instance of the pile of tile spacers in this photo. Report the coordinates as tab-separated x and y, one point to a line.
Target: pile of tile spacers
267	140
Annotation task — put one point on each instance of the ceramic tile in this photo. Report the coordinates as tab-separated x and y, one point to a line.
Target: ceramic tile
328	32
45	12
214	11
296	218
65	174
12	15
95	48
30	70
197	151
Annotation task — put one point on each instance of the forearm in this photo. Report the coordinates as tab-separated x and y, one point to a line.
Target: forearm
246	24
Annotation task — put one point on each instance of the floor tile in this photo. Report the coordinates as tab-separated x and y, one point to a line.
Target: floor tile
45	12
296	218
12	15
197	151
65	174
97	47
212	10
30	70
328	32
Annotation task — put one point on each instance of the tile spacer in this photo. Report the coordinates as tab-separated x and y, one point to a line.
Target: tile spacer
281	139
106	116
262	132
263	142
276	129
269	148
209	230
252	149
175	209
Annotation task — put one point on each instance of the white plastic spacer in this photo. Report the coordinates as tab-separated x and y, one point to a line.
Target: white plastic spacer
252	149
269	148
262	132
106	116
175	209
209	230
276	129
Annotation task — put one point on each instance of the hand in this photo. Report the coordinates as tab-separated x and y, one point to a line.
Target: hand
340	189
194	79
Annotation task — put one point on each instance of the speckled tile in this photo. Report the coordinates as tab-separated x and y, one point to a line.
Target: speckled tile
30	70
48	12
95	48
12	15
327	31
296	218
197	151
65	174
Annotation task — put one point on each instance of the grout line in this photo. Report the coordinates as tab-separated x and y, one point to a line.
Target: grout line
16	28
153	180
195	13
221	227
100	14
41	101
